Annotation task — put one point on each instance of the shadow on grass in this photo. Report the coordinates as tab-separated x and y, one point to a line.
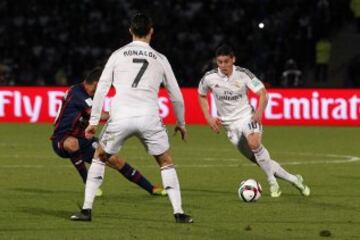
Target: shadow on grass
136	220
36	211
348	177
332	206
97	216
206	191
41	191
316	201
129	197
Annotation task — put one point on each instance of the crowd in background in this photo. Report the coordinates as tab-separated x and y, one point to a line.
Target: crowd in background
55	42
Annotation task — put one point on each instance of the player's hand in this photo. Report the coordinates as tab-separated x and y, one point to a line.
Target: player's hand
182	131
256	117
214	124
90	131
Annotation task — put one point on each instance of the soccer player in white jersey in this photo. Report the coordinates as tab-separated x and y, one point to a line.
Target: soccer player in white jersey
229	85
136	71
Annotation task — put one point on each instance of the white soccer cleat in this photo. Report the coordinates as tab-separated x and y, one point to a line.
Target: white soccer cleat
275	191
299	184
99	192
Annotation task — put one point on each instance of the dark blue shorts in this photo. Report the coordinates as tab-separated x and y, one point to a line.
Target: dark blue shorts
87	148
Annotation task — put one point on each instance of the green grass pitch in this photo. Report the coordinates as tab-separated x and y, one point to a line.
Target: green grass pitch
38	190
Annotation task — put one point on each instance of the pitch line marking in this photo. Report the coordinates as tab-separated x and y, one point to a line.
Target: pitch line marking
343	159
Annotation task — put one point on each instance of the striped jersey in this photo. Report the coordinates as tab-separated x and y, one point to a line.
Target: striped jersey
74	113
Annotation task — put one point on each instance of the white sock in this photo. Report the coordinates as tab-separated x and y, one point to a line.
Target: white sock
262	157
171	184
282	173
94	180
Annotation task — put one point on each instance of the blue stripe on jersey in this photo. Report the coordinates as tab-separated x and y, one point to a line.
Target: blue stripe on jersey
74	114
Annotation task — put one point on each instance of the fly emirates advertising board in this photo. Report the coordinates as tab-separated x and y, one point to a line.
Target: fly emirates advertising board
336	107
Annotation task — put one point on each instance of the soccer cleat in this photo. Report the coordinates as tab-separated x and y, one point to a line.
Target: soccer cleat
299	184
99	192
159	191
183	218
83	215
275	191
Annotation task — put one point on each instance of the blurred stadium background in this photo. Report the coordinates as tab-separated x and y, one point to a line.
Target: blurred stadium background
55	42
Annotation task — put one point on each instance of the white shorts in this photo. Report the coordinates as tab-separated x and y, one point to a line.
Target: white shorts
242	127
149	129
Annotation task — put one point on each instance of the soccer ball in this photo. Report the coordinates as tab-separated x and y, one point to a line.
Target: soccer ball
250	190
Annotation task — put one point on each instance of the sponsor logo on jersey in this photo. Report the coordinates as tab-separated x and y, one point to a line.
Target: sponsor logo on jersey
88	102
229	97
255	82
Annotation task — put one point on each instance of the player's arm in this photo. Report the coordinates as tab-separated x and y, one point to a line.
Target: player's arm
214	123
104	116
102	89
176	98
263	100
203	89
256	86
90	130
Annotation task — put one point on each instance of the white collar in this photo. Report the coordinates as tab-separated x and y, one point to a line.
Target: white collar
220	73
224	76
140	43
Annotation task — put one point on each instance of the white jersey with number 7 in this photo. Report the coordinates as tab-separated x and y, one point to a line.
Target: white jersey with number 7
136	71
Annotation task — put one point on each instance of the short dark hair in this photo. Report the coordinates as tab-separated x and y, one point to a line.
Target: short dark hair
141	24
224	50
93	75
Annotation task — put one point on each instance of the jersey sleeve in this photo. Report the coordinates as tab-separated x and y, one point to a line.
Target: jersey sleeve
102	89
175	94
203	87
252	82
81	103
75	100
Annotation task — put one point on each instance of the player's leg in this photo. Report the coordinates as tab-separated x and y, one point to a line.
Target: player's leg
280	172
94	180
134	175
296	180
77	156
237	134
154	137
87	148
243	147
72	146
110	144
263	159
171	184
124	168
253	134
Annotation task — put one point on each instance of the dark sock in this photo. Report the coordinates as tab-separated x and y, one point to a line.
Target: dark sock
135	176
79	164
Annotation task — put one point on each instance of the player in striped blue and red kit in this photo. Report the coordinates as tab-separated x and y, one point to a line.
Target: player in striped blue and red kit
68	139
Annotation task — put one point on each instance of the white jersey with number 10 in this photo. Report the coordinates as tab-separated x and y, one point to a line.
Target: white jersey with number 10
230	93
